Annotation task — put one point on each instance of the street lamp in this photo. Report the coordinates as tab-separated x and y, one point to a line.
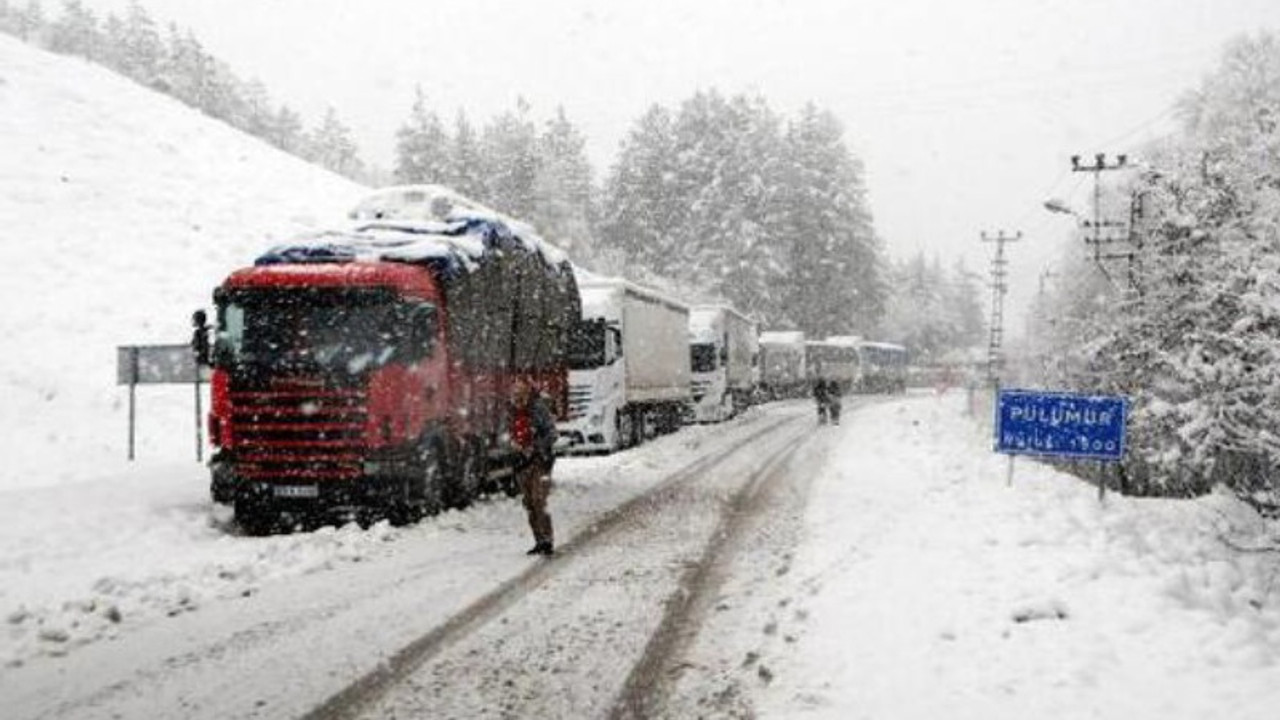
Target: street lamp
1058	206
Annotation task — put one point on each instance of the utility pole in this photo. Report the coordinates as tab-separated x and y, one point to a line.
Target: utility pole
999	287
1099	166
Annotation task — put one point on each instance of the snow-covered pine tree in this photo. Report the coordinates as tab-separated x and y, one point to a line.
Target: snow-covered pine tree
641	206
1199	348
963	302
466	162
27	22
333	147
916	314
285	131
563	190
76	32
141	51
422	146
835	273
509	147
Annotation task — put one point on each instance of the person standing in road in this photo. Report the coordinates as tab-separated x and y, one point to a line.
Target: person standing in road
834	395
821	397
533	431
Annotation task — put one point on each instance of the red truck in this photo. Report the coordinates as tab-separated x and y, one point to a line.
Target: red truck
370	369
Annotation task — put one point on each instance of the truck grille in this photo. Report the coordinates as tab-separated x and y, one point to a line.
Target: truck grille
297	431
579	400
700	388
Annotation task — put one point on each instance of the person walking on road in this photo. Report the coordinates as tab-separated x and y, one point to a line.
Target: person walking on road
821	397
833	402
533	431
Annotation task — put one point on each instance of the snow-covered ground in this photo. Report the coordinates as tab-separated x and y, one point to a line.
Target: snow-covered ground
925	587
913	583
120	210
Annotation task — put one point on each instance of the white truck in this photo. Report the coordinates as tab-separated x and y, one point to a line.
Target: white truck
836	358
724	355
628	367
782	365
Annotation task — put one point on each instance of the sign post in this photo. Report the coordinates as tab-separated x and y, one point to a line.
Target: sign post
1059	424
159	365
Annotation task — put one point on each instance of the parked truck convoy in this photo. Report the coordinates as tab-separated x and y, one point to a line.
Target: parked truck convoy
372	367
723	350
629	366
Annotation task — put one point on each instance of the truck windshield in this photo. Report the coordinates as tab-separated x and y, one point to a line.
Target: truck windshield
702	357
343	331
586	345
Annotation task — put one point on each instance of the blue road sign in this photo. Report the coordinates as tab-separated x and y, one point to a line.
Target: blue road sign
1064	424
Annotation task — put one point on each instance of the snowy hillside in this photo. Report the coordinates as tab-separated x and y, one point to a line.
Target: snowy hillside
120	209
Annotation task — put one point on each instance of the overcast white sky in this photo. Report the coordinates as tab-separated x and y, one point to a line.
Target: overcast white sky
965	111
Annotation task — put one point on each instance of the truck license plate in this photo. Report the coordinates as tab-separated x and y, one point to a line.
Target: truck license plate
297	491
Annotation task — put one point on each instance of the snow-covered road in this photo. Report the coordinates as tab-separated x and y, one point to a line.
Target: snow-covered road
761	568
137	605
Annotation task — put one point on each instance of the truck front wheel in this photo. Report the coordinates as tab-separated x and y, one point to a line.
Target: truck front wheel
256	517
421	493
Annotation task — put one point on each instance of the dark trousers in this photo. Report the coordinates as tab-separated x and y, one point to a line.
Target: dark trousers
535	487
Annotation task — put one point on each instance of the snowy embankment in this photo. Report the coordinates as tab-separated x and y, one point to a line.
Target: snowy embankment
926	587
120	209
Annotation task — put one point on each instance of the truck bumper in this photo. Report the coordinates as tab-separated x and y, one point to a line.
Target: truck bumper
380	482
581	438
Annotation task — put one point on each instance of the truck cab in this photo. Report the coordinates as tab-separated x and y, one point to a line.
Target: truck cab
724	361
597	387
628	367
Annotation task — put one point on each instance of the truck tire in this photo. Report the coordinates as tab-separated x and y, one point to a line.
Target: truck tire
467	474
624	429
255	517
421	492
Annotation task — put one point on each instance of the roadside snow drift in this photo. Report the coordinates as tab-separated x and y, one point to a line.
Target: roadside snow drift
120	209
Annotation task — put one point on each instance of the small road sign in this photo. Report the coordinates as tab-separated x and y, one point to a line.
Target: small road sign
160	365
1031	422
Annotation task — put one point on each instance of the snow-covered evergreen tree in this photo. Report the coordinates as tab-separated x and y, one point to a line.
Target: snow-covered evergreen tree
466	163
333	147
76	32
509	148
837	272
563	189
641	207
717	196
1197	344
142	51
422	146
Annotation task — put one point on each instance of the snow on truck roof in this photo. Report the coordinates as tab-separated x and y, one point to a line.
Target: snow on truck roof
597	291
417	224
782	337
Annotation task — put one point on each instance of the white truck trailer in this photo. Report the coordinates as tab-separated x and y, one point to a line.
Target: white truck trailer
628	367
724	355
782	365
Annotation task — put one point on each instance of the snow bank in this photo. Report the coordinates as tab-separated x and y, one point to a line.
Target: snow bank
926	587
120	210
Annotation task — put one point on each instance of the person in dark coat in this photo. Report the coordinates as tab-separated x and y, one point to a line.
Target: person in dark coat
833	401
533	432
822	398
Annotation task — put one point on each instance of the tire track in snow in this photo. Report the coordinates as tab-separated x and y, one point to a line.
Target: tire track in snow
362	694
647	688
